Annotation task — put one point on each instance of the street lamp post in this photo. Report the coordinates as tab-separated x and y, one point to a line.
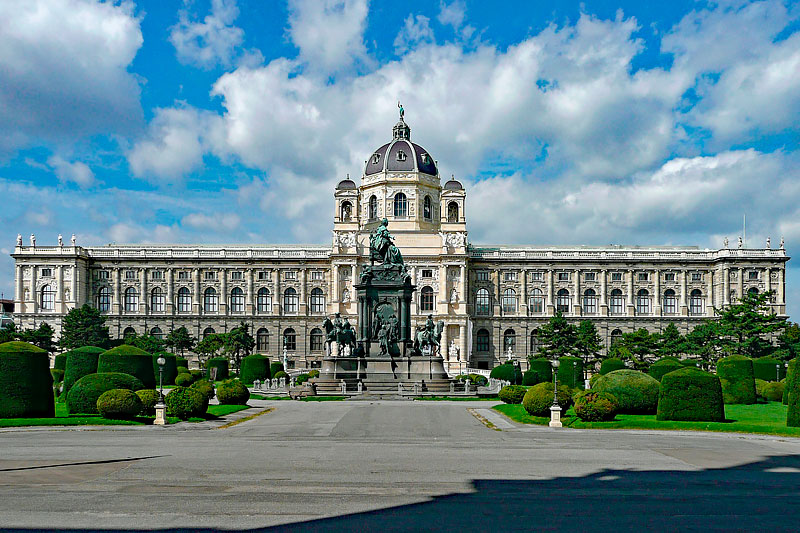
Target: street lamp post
778	372
555	409
161	407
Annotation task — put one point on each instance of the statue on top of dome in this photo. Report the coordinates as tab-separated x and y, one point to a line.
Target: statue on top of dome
402	111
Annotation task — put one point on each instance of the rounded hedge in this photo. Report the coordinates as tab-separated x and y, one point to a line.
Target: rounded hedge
119	404
594	406
760	384
793	394
313	374
275	367
768	369
170	367
129	360
792	375
221	364
636	392
736	375
232	392
512	394
149	399
664	366
26	385
773	391
184	380
80	362
593	380
302	378
254	367
690	394
281	374
570	371
181	361
539	398
609	365
507	372
197	374
204	386
82	397
60	362
182	370
541	366
186	403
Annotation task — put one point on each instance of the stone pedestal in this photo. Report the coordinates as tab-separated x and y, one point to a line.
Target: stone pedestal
161	415
382	374
555	416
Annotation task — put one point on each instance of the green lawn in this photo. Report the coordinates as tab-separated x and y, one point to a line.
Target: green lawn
455	398
768	418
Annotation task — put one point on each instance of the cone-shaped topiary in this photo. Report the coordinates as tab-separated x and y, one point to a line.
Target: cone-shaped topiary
792	374
80	362
636	392
275	367
26	385
690	394
664	366
61	362
508	372
512	394
609	365
128	360
539	398
82	397
221	364
232	392
186	403
570	371
593	406
170	367
182	361
793	394
254	367
119	404
149	399
768	369
184	380
736	375
542	367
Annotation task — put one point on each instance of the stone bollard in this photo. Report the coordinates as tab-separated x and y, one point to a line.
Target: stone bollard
416	388
281	383
294	381
452	388
360	387
466	387
343	384
274	384
399	388
256	384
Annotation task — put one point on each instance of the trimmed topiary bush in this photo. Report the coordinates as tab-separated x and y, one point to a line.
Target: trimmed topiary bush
149	399
313	374
539	398
690	394
170	368
636	392
691	363
197	374
570	371
186	403
60	362
255	367
593	406
793	394
791	375
221	364
26	385
736	375
531	377
281	374
760	384
593	380
184	380
121	404
664	366
80	362
181	361
768	369
302	378
233	392
512	393
204	386
609	365
182	370
275	367
541	366
82	397
128	360
773	391
58	375
508	372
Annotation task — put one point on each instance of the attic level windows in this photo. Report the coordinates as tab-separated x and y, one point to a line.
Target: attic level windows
47	272
376	158
401	155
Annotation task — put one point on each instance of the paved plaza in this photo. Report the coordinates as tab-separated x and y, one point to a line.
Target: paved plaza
411	466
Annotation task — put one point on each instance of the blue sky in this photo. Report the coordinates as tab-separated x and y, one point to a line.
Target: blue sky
570	122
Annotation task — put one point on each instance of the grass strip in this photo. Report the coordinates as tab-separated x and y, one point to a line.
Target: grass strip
246	418
483	420
456	398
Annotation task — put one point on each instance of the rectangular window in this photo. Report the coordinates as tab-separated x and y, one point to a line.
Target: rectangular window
590	276
47	272
290	275
697	276
263	276
616	276
563	276
510	276
158	274
427	273
669	276
237	275
210	276
130	274
752	275
317	275
482	275
643	276
536	276
102	274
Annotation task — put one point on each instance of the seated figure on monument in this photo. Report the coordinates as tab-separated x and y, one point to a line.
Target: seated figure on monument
382	248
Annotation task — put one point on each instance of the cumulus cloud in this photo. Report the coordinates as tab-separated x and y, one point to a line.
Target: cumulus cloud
63	71
72	172
416	30
452	14
215	221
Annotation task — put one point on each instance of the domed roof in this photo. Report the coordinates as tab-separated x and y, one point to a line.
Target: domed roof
401	155
453	185
346	184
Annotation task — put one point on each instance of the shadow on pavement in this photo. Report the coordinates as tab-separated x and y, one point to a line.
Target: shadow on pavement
759	496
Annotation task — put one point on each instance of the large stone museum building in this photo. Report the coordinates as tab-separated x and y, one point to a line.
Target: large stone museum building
491	298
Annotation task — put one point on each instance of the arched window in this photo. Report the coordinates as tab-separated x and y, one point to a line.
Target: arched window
264	300
316	340
210	301
733	296
207	332
317	301
537	302
452	212
157	300
128	333
131	300
400	205
617	302
534	343
373	207
104	300
616	336
157	333
562	301
590	302
509	340
670	302
290	300
482	303
642	302
426	299
509	302
290	339
262	340
696	302
237	300
752	291
346	212
184	300
427	208
482	344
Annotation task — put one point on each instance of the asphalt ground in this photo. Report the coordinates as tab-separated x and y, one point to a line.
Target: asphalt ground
393	466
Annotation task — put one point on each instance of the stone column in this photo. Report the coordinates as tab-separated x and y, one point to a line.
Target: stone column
144	303
249	295
276	294
550	307
462	293
497	294
116	305
631	306
303	307
34	291
740	292
684	309
657	295
523	303
603	293
413	271
576	308
710	298
77	287
170	303
781	299
768	278
335	295
726	286
464	348
197	299
223	289
59	289
444	298
19	290
443	344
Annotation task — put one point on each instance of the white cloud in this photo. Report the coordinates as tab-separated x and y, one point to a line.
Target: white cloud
416	30
63	70
212	42
452	14
72	172
215	221
329	33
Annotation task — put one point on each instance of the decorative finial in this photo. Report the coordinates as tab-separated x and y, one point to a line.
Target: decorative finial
402	111
60	241
782	246
19	239
769	243
73	240
725	242
740	241
33	240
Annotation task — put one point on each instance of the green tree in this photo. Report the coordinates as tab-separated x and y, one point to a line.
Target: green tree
180	340
789	342
148	343
8	333
41	337
210	346
238	343
638	347
704	341
83	326
671	342
745	327
588	343
557	337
